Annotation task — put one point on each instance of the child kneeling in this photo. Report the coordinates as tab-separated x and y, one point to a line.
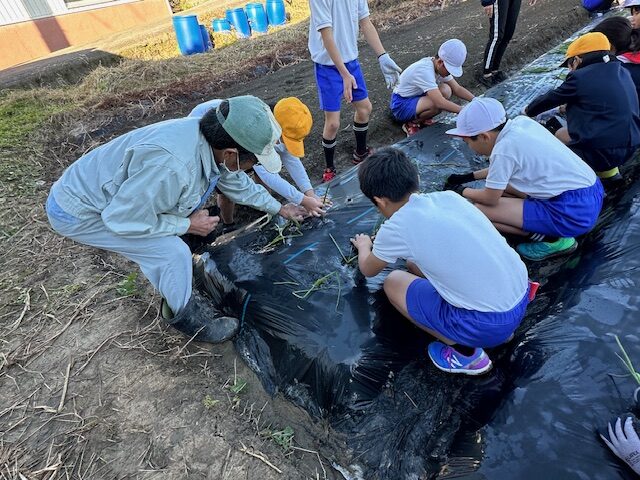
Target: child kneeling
465	285
536	187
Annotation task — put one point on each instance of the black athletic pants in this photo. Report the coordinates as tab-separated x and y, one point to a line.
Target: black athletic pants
502	26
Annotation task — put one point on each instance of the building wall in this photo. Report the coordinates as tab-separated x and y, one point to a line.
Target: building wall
30	29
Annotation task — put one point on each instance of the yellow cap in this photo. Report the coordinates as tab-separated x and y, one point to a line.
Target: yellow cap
295	120
587	43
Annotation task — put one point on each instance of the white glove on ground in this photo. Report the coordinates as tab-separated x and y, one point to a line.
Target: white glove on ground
624	444
390	70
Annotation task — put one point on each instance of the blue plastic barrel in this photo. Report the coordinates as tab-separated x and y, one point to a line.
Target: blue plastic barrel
228	15
221	25
240	22
276	12
257	17
188	34
206	39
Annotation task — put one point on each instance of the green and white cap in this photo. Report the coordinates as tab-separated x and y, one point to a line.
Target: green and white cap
252	125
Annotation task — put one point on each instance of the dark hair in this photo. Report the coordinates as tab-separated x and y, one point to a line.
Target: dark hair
497	129
618	31
216	136
388	173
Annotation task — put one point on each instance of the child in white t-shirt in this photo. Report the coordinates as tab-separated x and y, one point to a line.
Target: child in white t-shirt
295	119
426	86
465	285
333	43
535	185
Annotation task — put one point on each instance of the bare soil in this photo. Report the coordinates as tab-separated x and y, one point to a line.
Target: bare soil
92	385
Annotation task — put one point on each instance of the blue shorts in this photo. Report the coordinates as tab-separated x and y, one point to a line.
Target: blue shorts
469	328
404	109
330	87
570	214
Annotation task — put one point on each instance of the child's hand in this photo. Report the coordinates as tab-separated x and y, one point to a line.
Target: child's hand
488	10
362	241
348	86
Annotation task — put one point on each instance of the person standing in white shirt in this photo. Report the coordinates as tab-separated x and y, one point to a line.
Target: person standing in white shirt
426	86
465	285
536	187
333	43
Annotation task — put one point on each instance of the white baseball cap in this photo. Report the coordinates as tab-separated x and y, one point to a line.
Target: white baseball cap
480	115
631	3
453	53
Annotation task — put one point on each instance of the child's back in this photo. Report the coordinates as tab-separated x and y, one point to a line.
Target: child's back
458	249
602	106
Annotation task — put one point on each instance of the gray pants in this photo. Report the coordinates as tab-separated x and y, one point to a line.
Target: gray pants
165	261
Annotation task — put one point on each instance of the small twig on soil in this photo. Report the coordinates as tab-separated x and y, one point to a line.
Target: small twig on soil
65	387
260	456
27	307
190	340
84	365
316	454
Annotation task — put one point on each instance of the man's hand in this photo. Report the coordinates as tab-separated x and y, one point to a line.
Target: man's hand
292	211
362	241
348	86
624	444
312	193
313	205
390	70
201	223
488	10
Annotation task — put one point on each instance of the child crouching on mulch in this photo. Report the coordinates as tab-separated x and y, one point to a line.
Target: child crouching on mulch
464	285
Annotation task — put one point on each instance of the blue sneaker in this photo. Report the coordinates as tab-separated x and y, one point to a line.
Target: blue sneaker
537	251
448	359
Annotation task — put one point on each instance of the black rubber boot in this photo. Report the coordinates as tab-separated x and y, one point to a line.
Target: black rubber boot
201	320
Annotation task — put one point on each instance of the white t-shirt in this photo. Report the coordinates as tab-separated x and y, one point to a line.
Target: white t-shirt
343	16
458	249
532	160
418	78
275	182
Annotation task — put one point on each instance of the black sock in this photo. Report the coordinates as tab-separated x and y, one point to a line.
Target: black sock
541	237
360	131
329	147
466	351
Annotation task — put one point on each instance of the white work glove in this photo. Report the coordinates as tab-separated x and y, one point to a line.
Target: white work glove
624	444
390	70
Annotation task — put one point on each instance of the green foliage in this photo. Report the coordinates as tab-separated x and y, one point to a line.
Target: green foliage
283	438
209	402
626	361
20	117
238	385
129	286
539	70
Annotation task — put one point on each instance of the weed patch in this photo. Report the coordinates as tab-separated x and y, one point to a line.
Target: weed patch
129	286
